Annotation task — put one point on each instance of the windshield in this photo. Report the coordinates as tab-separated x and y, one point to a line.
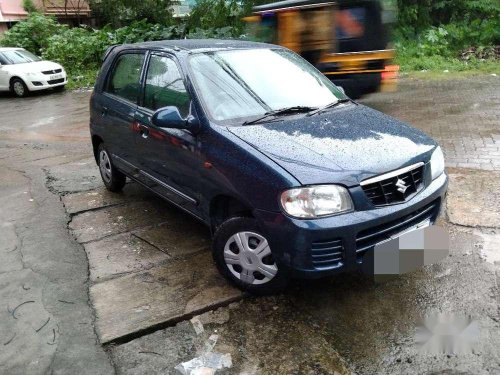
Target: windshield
241	84
19	56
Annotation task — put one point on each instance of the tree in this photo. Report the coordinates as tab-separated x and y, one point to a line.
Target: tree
208	14
422	14
122	12
217	14
29	6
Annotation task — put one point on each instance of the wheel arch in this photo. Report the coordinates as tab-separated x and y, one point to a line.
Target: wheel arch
11	81
223	207
96	141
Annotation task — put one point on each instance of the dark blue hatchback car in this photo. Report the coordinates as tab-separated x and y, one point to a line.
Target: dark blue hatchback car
293	177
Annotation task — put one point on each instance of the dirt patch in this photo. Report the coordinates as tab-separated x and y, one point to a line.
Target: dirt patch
474	198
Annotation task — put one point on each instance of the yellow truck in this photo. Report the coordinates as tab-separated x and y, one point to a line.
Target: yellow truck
346	40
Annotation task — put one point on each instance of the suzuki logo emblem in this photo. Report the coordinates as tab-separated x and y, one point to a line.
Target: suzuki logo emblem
400	184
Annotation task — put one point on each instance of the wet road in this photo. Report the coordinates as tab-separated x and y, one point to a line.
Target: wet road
45	117
346	323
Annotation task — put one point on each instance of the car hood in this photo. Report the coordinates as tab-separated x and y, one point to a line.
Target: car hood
345	145
35	67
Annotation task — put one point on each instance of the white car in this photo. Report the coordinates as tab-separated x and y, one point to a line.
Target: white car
22	72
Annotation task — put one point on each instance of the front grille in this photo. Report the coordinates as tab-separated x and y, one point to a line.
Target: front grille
55	71
328	253
368	238
55	81
395	189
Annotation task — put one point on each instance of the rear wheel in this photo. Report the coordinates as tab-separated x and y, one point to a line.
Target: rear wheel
113	179
19	88
243	255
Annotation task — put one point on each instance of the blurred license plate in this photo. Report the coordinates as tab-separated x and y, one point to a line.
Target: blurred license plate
423	224
421	245
55	76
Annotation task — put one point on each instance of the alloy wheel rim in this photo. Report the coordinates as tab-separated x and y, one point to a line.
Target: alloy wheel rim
18	88
105	166
248	257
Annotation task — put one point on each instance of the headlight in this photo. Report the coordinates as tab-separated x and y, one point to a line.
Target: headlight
316	201
437	163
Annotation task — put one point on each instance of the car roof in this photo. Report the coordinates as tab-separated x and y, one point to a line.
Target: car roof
3	49
200	45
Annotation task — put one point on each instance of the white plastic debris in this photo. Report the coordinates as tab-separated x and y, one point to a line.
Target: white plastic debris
210	344
493	74
206	364
197	325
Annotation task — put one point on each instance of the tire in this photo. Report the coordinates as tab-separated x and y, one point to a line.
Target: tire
113	179
19	88
245	267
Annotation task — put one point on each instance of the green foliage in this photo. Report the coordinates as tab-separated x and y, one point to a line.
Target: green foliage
207	14
32	34
29	6
433	35
418	15
142	31
122	12
76	48
82	48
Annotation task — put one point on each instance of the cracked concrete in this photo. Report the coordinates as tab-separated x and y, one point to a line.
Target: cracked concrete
44	272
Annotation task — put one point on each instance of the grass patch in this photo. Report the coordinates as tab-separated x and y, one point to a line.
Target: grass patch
82	79
414	64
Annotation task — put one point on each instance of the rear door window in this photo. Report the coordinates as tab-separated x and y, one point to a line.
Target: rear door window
124	80
165	86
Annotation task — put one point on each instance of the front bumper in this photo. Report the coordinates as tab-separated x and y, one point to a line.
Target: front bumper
43	82
325	246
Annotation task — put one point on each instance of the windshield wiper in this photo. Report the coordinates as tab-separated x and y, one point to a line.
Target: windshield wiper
281	112
331	105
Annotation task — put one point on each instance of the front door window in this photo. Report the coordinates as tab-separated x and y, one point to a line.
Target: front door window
165	86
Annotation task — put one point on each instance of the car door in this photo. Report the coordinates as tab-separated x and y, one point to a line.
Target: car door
169	158
116	109
4	74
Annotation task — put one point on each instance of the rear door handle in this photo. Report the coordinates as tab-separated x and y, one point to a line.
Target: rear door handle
104	111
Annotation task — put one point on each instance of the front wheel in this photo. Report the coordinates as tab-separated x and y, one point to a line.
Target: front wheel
19	88
113	179
243	255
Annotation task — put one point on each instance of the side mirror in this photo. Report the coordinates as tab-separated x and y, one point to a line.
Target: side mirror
341	89
169	117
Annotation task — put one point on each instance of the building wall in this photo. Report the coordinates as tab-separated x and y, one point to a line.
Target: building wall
11	11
